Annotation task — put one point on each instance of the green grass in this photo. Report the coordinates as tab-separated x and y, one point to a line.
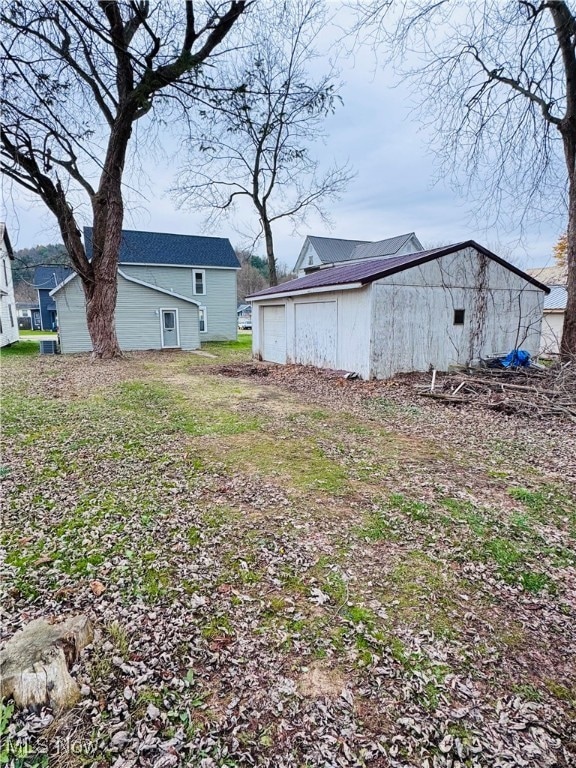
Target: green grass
32	334
239	351
20	349
237	502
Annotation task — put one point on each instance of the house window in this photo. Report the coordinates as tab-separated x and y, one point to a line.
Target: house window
5	273
458	317
199	279
11	315
169	320
202	319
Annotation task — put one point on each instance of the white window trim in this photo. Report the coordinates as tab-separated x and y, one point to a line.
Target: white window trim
175	310
203	309
203	273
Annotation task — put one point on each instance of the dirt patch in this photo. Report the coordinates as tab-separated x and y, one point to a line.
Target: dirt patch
320	680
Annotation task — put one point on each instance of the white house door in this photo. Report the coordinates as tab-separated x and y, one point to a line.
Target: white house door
170	330
274	334
316	330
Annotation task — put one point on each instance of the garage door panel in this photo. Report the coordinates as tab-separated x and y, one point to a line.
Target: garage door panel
316	328
274	334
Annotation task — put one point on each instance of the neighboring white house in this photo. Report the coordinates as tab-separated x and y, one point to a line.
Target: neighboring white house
553	320
398	314
8	323
325	251
556	278
174	292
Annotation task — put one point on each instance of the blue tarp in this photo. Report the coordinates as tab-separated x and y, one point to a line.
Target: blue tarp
518	358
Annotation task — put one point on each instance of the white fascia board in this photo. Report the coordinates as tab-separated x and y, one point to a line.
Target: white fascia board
176	266
62	284
301	255
157	288
307	291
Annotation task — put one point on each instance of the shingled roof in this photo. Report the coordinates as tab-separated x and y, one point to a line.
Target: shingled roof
171	250
50	277
369	271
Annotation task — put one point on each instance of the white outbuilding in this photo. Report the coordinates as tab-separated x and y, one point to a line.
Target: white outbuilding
389	315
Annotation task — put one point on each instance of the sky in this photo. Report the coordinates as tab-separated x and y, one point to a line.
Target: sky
395	190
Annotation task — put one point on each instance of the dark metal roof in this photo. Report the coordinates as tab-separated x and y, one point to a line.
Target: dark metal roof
167	249
387	247
50	277
368	271
557	298
332	249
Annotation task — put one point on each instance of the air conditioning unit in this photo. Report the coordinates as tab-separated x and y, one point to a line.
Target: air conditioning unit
49	347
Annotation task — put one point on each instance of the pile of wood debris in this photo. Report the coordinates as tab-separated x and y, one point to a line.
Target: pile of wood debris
532	391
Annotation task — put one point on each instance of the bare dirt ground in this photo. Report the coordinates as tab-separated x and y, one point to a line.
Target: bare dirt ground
287	568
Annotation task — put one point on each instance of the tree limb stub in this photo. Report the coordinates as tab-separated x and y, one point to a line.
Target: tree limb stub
35	662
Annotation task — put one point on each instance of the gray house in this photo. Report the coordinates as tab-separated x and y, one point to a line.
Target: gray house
174	292
322	251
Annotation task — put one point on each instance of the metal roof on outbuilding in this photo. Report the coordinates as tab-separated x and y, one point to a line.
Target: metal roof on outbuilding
369	271
556	299
171	250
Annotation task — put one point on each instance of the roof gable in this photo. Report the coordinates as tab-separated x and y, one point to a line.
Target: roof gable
368	271
171	250
335	250
6	240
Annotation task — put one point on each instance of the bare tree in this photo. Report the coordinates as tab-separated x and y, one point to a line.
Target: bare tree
255	144
498	84
76	77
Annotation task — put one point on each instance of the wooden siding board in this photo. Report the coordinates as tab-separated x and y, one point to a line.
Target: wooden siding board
353	328
316	329
413	315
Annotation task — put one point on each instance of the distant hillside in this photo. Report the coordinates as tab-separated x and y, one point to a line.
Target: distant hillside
27	259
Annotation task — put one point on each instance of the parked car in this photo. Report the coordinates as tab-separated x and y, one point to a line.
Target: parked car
245	323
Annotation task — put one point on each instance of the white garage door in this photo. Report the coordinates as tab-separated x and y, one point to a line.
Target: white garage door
316	333
274	334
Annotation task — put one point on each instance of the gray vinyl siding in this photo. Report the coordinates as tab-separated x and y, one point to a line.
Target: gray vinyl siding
220	297
177	279
137	321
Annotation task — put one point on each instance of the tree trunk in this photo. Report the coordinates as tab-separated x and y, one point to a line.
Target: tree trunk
35	662
100	307
270	251
568	343
101	288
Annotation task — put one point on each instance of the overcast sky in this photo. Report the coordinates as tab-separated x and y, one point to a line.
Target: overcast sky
393	193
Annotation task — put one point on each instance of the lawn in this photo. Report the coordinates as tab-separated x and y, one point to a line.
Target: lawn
296	570
32	334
